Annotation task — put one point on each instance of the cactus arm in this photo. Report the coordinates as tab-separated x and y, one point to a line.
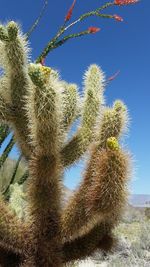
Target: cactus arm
71	104
75	211
45	110
44	183
113	122
99	237
97	197
103	200
16	62
14	235
80	246
93	98
108	190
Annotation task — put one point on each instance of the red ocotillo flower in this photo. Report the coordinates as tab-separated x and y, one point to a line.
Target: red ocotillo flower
125	2
118	18
69	14
93	29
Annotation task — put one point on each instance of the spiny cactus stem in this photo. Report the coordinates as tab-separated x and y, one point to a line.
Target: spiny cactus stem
99	237
45	201
16	241
92	102
19	84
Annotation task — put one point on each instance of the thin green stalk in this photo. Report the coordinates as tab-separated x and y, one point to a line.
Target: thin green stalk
24	177
6	152
6	192
52	43
4	131
37	21
65	39
91	13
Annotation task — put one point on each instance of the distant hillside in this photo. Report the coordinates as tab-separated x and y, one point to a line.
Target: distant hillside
139	200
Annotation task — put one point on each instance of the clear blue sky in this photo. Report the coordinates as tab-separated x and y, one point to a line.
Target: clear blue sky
118	46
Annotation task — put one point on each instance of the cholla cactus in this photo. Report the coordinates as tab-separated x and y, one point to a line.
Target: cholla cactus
41	109
17	200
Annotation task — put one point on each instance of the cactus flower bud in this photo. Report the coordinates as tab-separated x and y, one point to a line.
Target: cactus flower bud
117	18
93	29
125	2
112	143
69	14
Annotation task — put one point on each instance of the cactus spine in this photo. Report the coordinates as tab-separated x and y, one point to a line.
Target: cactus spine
41	109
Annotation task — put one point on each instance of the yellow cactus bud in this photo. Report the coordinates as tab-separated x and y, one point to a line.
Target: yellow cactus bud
39	74
112	143
46	71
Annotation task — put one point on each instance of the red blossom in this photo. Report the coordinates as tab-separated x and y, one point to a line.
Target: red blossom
125	2
69	14
118	18
93	29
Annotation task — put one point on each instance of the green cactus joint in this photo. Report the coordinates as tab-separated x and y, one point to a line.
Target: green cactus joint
3	33
39	74
12	30
112	143
118	106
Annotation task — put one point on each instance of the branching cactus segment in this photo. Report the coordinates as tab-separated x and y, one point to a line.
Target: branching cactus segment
14	235
15	61
113	123
44	109
92	101
41	109
111	173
